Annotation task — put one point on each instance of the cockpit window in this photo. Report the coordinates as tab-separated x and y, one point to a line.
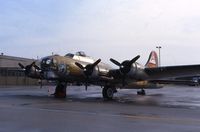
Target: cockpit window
69	55
48	61
81	53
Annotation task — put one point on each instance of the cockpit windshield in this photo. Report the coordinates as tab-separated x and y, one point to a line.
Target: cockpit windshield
48	63
80	53
69	55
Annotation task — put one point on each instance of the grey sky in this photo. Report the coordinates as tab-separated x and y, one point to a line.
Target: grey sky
102	28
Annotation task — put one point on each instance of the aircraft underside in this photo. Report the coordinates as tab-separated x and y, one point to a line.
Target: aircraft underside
108	91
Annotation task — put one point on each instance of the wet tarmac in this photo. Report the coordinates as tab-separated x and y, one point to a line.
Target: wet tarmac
31	109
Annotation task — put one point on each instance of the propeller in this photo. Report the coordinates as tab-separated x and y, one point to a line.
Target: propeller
27	68
125	66
88	70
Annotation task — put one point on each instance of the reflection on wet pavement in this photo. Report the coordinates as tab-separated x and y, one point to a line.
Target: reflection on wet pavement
170	96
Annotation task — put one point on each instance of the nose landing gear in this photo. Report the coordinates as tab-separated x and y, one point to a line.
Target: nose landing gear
141	92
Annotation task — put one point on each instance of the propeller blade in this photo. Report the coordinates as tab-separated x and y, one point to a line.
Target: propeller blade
79	65
37	67
123	80
86	85
115	62
134	59
96	63
41	84
28	67
33	63
22	66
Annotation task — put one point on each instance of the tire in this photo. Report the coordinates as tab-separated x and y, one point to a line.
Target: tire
142	92
108	93
60	91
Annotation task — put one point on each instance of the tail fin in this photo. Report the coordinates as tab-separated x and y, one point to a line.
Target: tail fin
152	61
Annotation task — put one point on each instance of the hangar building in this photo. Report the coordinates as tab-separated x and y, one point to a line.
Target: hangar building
11	74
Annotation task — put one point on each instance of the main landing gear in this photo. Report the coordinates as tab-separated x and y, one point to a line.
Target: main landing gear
60	91
141	92
108	92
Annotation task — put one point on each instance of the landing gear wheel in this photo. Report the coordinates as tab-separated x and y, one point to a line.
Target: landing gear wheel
60	91
142	92
108	93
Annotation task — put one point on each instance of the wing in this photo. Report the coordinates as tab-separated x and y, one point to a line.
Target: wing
178	82
172	71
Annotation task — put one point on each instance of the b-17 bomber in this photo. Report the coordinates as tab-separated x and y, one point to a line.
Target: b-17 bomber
81	69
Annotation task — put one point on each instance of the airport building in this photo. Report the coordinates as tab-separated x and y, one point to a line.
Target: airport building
11	74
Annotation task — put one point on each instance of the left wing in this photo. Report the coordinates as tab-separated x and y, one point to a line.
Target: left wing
172	81
172	71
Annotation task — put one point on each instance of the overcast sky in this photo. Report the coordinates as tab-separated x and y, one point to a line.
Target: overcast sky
120	29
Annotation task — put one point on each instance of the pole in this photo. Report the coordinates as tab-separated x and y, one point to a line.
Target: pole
159	48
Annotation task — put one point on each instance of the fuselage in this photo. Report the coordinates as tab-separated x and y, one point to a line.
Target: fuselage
63	68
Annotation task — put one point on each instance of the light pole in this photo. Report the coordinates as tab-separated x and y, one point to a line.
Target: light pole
159	47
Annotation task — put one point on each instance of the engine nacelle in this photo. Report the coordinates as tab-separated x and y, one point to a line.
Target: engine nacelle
136	72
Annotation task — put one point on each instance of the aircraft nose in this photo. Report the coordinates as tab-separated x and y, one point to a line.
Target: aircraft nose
48	64
50	75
